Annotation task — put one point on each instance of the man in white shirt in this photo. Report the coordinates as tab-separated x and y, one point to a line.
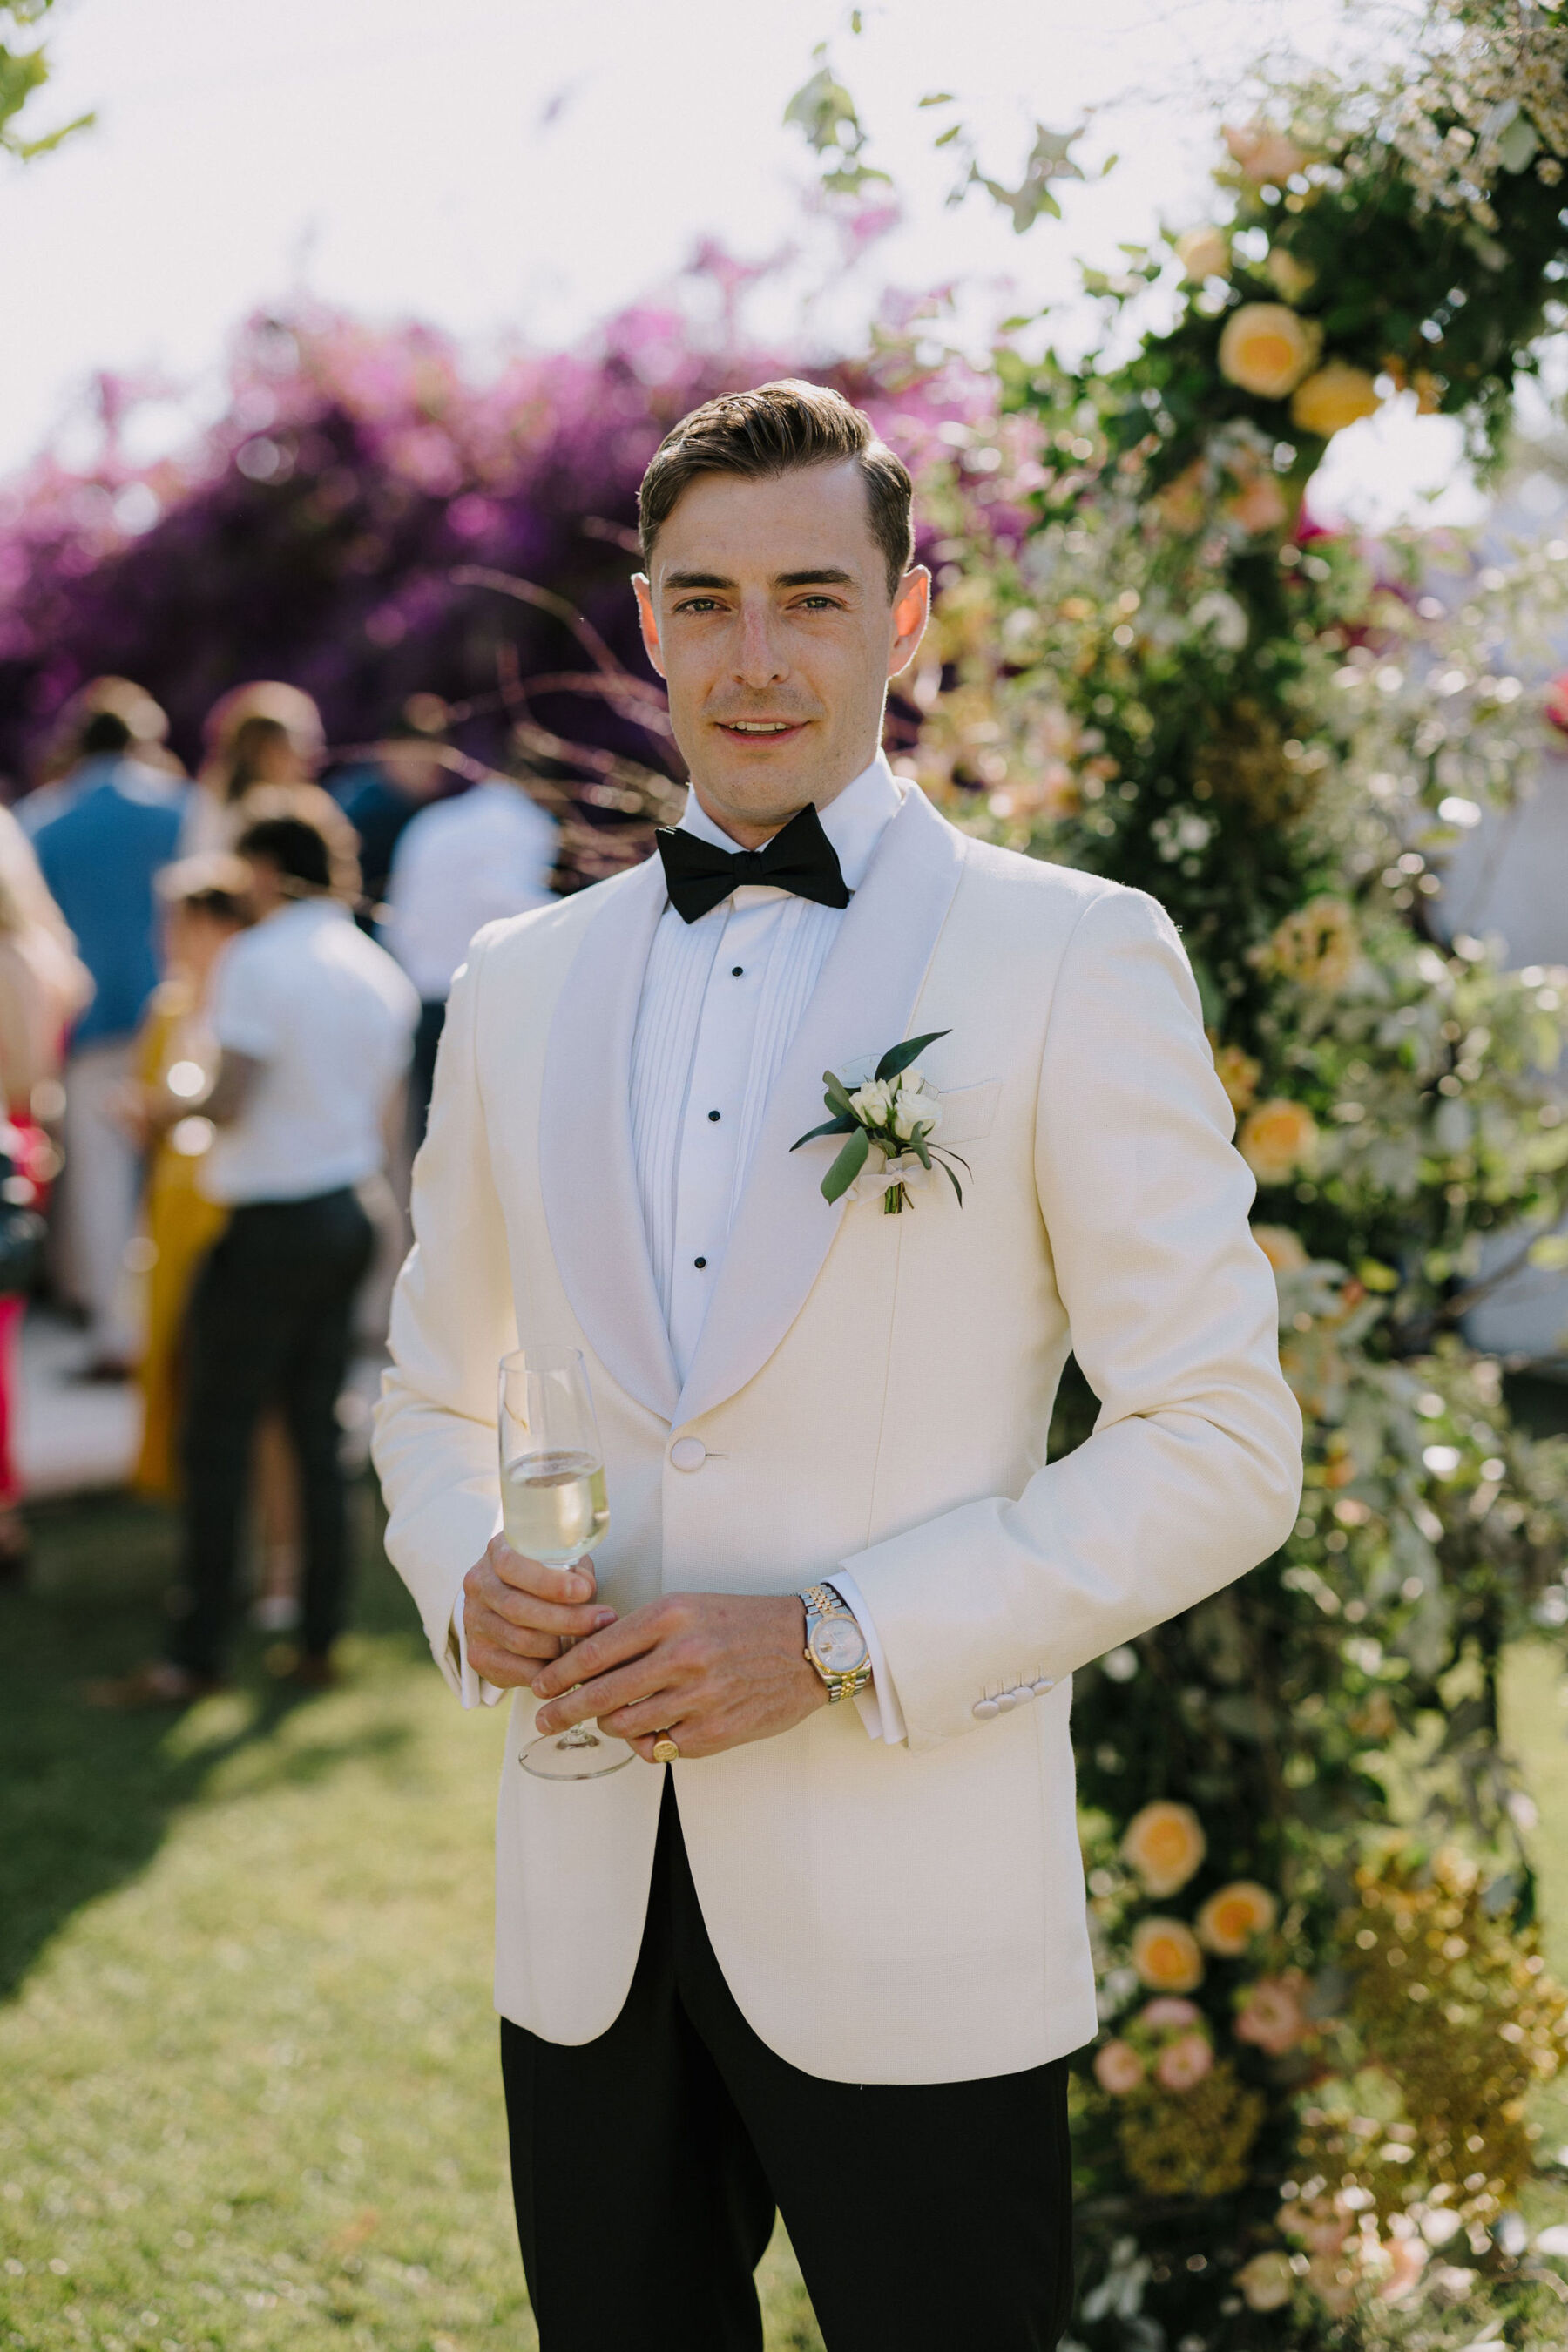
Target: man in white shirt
459	864
314	1023
825	1957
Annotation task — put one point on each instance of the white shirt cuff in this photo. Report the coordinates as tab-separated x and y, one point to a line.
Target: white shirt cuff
472	1687
879	1702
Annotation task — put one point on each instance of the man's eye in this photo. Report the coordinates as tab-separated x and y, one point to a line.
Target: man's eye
699	604
819	604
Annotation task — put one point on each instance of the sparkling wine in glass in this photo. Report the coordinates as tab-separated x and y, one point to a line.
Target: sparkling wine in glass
554	1510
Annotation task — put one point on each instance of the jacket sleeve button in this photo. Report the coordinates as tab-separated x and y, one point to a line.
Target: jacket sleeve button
985	1708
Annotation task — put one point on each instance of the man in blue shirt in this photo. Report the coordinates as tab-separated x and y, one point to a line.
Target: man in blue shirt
100	853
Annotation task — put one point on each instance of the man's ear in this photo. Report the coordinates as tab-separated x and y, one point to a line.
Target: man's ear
911	611
643	589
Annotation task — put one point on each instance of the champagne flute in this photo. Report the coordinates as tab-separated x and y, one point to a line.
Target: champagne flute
553	1509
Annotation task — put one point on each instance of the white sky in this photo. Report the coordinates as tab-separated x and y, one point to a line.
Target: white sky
511	171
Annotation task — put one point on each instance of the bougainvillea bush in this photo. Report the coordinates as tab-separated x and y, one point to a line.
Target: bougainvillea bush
1308	2119
363	521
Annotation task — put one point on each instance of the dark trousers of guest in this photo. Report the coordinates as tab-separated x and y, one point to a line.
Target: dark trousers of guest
268	1323
646	2165
421	1068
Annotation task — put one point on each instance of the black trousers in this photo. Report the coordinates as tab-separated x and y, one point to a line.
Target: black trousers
268	1323
421	1068
646	2165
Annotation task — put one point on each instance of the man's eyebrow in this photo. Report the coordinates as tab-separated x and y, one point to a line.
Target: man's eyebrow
821	575
697	580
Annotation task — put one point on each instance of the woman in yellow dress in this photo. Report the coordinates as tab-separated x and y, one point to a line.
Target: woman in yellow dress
204	904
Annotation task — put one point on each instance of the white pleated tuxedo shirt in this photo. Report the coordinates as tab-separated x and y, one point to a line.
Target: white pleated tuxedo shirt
721	999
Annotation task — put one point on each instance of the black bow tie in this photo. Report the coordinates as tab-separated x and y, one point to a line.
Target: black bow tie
799	858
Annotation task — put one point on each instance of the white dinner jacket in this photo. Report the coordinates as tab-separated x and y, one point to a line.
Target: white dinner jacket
870	1391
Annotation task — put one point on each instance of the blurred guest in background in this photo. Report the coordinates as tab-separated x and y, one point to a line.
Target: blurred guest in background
115	825
261	733
458	866
413	766
59	773
313	1024
205	902
43	985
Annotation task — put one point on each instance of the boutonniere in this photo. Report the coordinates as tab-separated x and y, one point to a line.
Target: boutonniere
890	1122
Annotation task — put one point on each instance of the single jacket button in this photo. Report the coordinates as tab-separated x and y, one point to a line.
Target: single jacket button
985	1708
688	1454
1006	1700
1041	1687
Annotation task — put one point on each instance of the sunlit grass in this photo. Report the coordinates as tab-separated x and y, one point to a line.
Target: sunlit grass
251	2094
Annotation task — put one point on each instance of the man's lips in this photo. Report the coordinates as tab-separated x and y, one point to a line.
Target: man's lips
760	730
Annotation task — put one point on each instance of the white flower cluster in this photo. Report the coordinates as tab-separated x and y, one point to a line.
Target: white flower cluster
903	1107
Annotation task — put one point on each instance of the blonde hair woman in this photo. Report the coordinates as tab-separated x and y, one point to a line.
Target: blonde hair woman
263	733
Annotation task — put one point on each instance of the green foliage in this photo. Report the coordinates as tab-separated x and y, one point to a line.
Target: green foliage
1148	660
23	73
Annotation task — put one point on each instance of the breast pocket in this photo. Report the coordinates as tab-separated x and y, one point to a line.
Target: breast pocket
968	1113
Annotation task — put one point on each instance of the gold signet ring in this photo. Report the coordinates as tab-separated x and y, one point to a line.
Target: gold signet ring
665	1750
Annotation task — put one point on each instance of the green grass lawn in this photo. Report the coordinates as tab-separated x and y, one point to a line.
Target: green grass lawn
248	2088
250	2095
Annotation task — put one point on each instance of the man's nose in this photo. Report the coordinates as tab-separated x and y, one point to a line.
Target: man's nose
759	659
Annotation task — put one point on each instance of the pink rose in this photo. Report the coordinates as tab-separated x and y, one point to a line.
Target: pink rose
1273	2018
1407	2261
1118	2068
1184	2062
1169	2014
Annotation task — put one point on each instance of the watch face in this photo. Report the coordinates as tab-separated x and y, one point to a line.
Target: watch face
838	1646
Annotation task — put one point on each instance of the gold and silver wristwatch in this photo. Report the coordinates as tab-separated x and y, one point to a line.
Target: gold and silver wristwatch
835	1645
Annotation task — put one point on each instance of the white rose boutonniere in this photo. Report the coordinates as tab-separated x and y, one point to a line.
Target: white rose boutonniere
890	1122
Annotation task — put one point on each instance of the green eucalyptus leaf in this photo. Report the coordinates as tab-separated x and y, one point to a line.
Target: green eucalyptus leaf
848	1165
842	1124
898	1058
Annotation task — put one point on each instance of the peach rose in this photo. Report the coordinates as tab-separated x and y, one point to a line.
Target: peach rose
1285	1251
1166	1956
1181	503
1266	2281
1317	944
1333	398
1267	349
1203	253
1259	507
1277	1138
1406	2259
1118	2068
1184	2062
1273	2018
1229	1920
1239	1074
1265	154
1170	2014
1165	1845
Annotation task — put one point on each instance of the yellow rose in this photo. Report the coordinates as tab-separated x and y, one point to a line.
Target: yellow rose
1291	277
1203	253
1285	1251
1267	349
1229	1920
1277	1138
1164	1843
1333	398
1239	1074
1317	944
1266	2281
1166	1956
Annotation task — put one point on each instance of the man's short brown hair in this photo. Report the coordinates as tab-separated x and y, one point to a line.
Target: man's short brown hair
772	430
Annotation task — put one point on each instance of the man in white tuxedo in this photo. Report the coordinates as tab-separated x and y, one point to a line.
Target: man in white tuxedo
823	1948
